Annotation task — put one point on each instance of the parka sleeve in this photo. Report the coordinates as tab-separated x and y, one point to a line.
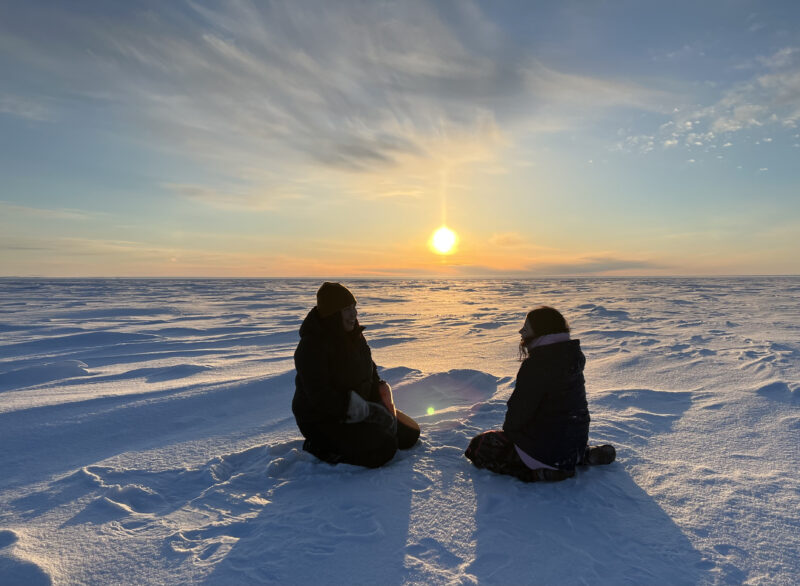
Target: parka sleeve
311	363
376	380
525	399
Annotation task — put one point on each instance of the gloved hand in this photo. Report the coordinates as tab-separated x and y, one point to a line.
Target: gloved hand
357	409
380	416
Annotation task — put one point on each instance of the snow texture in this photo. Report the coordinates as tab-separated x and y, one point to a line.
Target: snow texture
147	436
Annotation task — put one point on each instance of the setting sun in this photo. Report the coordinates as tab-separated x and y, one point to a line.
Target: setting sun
443	241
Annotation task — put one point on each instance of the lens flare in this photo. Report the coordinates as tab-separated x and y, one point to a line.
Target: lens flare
443	241
431	410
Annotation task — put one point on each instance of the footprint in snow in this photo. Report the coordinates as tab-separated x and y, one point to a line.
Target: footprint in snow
430	550
357	523
489	563
780	391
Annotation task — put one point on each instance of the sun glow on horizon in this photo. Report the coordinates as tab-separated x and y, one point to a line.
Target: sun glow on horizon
443	241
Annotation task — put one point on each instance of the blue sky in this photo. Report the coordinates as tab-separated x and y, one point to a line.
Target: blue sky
331	139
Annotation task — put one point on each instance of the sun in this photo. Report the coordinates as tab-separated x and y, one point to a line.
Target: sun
443	241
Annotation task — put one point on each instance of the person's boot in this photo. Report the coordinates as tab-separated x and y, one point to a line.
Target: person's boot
321	452
596	455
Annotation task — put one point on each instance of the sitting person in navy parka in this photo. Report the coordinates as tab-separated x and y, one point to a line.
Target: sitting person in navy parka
546	428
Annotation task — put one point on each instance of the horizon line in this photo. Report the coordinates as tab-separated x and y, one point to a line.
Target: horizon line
403	277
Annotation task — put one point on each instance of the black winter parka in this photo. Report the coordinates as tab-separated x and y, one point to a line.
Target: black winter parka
330	363
548	416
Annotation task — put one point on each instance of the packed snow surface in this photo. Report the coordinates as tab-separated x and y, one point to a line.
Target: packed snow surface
146	436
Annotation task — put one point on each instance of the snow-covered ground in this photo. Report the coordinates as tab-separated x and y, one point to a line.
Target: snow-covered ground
146	436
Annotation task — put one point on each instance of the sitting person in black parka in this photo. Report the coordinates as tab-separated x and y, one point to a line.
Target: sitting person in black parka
546	428
342	407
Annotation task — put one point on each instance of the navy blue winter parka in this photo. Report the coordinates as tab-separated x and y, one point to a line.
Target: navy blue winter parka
548	416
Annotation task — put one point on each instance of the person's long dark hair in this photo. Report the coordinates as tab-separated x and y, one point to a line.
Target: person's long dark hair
544	320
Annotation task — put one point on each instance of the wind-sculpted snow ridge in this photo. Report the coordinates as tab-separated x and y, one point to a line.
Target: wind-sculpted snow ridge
15	569
43	373
272	513
148	437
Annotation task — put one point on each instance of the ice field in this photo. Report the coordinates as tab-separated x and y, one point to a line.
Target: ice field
146	436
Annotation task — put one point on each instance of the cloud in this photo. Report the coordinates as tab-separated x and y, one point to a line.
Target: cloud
594	93
245	198
63	247
24	107
596	266
507	240
352	88
780	59
9	210
687	51
89	257
769	98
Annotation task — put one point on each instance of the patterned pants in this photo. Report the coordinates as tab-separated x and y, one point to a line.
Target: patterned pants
494	451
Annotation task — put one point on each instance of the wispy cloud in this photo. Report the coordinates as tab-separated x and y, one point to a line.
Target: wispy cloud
594	93
780	59
247	198
70	256
598	266
507	240
587	266
24	107
9	210
349	87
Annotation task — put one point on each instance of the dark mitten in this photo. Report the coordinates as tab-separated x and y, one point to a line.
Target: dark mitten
378	415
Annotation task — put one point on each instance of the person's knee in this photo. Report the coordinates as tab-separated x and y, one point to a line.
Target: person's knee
369	446
490	447
406	436
407	431
379	454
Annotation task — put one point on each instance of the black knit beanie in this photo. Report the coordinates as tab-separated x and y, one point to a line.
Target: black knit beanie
332	297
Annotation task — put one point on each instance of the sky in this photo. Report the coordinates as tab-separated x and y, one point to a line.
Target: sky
331	139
